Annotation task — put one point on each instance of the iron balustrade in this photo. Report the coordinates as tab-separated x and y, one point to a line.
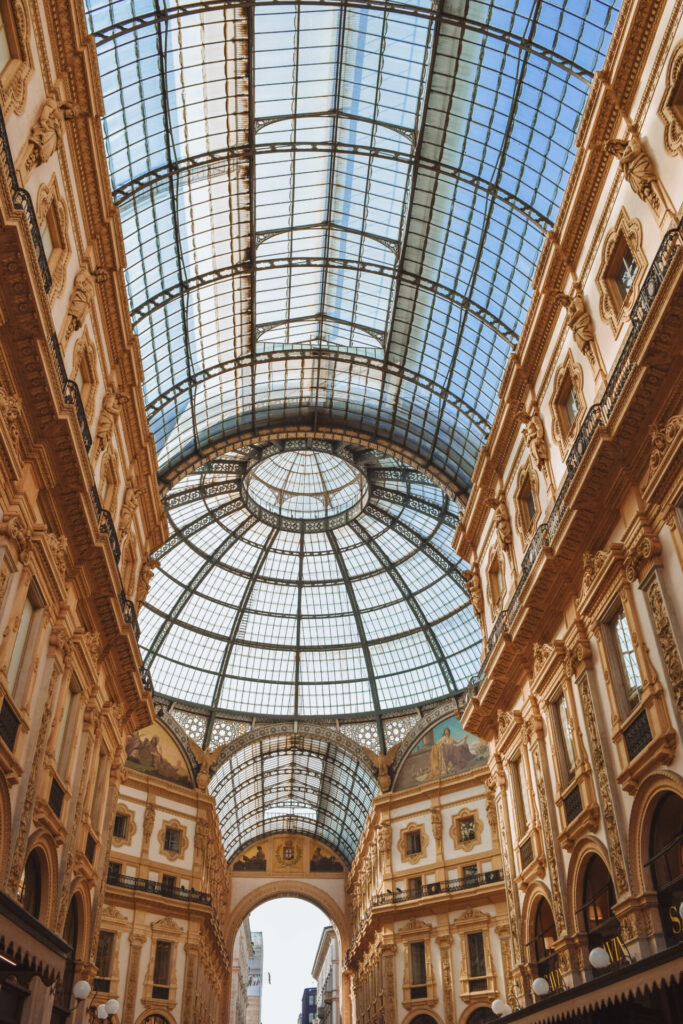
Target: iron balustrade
148	885
129	615
72	396
573	804
437	888
637	735
598	414
21	200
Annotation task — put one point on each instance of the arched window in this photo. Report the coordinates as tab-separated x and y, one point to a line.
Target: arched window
541	952
158	1018
30	886
482	1015
423	1018
595	913
666	862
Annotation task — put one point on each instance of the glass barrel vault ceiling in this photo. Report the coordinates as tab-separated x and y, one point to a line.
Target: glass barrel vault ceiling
355	613
332	210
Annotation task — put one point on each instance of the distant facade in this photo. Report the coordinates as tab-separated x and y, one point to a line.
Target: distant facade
255	981
308	1006
242	952
325	970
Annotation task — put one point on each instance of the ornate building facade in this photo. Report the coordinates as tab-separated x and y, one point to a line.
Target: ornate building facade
511	846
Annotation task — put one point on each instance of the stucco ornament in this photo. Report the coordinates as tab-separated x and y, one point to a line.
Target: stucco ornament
580	323
383	763
47	132
637	167
501	520
205	760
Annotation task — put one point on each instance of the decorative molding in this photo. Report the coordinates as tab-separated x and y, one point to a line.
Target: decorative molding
466	842
50	201
665	638
670	110
131	827
413	858
184	841
613	309
563	431
18	71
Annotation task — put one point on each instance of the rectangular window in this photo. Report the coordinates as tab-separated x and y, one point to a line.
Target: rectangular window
121	826
625	657
565	740
66	731
113	871
418	971
105	955
172	840
415	887
168	884
477	961
519	796
470	874
20	643
162	970
413	842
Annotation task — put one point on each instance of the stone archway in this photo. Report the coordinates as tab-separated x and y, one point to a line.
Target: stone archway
312	892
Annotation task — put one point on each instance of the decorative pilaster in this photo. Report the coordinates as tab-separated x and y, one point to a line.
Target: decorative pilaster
665	637
444	943
136	941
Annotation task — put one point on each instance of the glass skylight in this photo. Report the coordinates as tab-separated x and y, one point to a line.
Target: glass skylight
306	485
335	617
332	212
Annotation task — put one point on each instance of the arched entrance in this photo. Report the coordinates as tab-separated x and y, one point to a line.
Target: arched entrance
314	893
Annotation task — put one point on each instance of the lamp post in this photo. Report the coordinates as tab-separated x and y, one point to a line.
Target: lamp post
104	1011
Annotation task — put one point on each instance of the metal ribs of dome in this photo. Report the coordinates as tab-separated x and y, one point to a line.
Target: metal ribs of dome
332	211
336	617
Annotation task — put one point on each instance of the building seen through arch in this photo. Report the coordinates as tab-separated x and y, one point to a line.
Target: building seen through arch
341	507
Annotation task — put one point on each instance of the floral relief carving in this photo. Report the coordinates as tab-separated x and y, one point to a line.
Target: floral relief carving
10	411
666	639
671	107
18	70
609	817
663	437
613	309
548	834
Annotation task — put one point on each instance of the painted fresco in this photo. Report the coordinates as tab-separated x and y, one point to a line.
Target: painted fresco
253	859
285	853
443	751
153	752
322	861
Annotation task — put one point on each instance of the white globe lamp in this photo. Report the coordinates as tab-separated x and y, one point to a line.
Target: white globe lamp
81	990
102	1012
500	1007
112	1007
540	987
599	958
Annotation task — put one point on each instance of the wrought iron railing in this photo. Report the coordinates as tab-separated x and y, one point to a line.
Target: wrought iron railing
105	523
637	735
70	391
147	885
22	201
598	414
573	804
437	888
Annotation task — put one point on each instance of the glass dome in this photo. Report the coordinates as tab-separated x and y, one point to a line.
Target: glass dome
305	485
360	610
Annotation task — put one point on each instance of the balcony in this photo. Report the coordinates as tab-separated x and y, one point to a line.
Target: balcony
437	888
174	892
